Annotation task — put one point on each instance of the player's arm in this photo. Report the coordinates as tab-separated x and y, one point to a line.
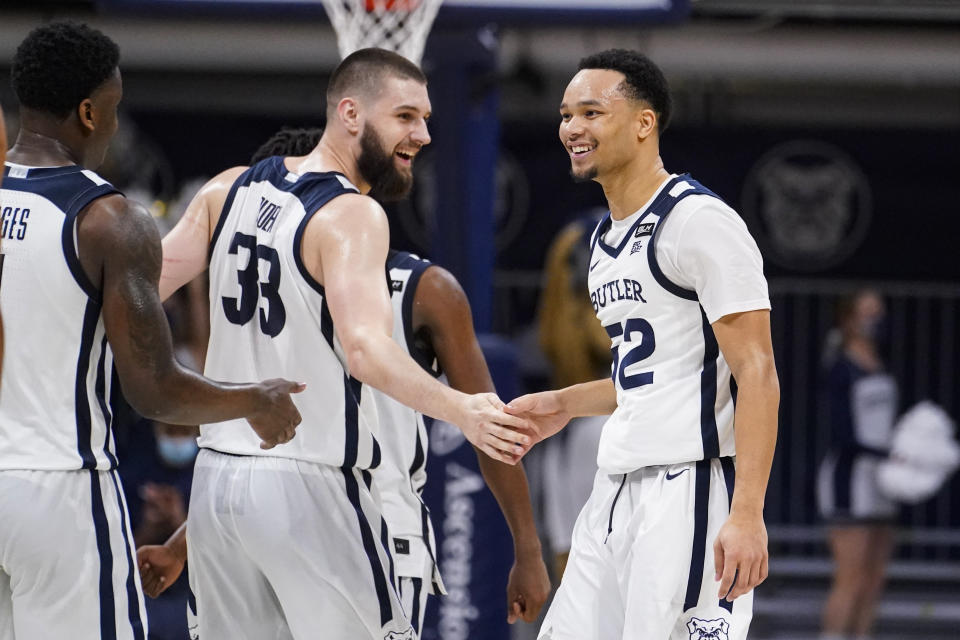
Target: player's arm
352	237
122	237
186	246
550	411
161	564
741	547
440	307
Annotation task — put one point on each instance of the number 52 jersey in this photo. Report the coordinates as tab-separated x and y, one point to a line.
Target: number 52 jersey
269	319
658	279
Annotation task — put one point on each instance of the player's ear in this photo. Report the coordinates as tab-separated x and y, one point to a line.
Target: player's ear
349	113
646	122
85	115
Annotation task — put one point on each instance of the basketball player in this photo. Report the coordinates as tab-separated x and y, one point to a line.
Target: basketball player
300	240
433	323
677	282
79	291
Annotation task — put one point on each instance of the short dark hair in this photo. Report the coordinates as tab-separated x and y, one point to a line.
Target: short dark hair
289	141
58	65
365	70
643	80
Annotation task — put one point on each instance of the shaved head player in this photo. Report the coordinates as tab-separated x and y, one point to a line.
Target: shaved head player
296	248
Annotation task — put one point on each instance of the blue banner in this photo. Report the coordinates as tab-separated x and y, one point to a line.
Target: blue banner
474	547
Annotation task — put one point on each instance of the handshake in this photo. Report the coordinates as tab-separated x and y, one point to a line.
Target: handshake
504	432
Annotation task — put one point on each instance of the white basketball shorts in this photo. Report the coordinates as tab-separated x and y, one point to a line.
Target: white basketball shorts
641	562
282	548
67	561
416	576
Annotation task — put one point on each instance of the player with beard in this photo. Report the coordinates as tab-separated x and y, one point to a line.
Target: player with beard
289	542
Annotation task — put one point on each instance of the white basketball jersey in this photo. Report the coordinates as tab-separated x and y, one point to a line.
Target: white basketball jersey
674	397
57	384
402	434
269	319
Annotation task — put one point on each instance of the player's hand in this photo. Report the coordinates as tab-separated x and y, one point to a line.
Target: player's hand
543	411
498	434
276	418
528	587
160	566
740	555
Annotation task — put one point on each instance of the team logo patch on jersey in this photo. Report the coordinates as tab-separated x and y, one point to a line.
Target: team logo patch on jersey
636	247
396	285
708	629
401	635
644	229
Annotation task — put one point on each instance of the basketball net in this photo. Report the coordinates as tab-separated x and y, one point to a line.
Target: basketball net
398	25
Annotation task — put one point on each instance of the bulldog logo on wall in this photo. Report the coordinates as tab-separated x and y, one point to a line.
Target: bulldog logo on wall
808	205
708	629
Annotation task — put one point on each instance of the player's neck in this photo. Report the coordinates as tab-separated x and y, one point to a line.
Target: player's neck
332	155
38	148
630	188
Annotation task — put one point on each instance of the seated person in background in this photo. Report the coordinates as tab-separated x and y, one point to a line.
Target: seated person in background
863	408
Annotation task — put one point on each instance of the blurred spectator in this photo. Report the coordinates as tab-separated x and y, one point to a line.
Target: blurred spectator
863	408
157	472
578	349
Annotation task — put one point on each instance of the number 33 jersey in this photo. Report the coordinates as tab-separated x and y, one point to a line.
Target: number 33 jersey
658	279
269	319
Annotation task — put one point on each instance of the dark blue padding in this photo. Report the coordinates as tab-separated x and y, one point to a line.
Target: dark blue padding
108	605
133	595
701	502
370	547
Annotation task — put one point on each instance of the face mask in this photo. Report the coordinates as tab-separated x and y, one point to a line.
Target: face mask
873	328
177	451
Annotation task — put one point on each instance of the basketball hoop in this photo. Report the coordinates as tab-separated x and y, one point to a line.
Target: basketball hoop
398	25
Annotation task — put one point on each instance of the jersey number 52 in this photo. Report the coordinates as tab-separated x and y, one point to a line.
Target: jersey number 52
240	311
647	344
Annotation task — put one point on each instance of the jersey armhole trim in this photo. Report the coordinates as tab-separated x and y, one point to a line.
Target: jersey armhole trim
68	239
658	274
315	207
241	181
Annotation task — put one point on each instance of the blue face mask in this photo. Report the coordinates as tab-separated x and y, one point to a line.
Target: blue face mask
177	451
